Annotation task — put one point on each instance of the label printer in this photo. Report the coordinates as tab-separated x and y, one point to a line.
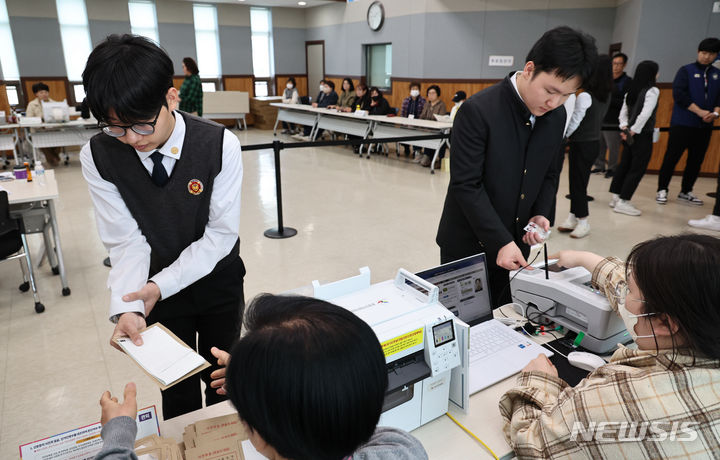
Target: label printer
418	337
566	297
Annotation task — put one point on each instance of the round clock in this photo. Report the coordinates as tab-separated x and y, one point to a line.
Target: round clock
376	16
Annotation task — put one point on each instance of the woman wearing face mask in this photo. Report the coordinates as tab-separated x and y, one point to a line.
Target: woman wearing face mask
378	104
434	106
412	107
666	389
290	96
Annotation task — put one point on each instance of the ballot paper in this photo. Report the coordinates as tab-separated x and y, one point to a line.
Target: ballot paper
163	356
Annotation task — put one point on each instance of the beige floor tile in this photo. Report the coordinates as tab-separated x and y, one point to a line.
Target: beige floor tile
349	213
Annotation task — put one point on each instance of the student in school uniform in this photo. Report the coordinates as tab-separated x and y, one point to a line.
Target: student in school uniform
166	191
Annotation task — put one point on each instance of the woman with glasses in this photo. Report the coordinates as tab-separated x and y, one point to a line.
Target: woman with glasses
166	191
655	399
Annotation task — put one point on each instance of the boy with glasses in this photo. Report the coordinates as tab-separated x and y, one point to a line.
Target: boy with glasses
166	190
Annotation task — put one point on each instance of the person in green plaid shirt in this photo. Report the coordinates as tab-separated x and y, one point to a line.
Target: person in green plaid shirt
661	400
191	96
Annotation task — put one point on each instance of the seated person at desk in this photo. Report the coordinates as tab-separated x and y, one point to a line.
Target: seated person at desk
326	98
378	104
34	109
412	107
667	295
290	96
308	380
347	96
434	106
362	102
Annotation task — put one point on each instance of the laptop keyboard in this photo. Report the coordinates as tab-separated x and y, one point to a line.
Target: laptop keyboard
486	341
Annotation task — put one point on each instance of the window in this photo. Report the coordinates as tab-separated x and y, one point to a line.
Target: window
261	88
8	59
78	92
207	43
12	95
75	36
143	20
378	62
209	86
262	42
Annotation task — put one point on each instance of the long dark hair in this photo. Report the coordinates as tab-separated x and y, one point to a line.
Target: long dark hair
600	83
349	80
644	78
191	65
678	277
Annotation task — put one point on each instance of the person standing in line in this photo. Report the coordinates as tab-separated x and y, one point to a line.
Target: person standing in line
696	96
637	123
165	187
191	94
590	108
610	138
503	167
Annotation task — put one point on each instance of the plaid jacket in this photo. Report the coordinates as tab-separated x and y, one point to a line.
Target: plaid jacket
417	109
639	406
191	95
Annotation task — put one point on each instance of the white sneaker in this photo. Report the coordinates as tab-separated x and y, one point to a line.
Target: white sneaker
417	158
689	198
710	222
661	196
569	224
625	207
613	201
581	230
298	136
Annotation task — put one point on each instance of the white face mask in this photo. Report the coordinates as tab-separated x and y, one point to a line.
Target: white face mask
414	93
631	320
322	88
289	86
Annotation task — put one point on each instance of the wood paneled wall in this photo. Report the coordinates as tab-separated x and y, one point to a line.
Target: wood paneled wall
300	80
448	88
239	83
59	88
338	82
4	104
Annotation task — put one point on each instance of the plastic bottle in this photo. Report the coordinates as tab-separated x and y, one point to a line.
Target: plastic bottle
29	172
40	173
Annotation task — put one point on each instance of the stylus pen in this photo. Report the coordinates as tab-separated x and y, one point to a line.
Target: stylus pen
547	276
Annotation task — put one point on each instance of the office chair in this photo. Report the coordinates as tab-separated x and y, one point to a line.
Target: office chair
13	245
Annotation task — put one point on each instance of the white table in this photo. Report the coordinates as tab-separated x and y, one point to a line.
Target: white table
31	200
233	115
9	140
71	133
299	114
400	127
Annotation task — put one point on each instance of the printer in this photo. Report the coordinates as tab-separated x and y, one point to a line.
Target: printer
567	298
418	337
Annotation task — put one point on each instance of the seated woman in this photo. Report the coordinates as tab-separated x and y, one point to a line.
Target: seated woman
290	96
434	106
308	380
347	97
665	390
378	104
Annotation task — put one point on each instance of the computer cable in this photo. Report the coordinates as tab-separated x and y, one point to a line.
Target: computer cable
472	435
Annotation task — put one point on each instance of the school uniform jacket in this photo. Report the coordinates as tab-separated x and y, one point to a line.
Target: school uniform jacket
502	171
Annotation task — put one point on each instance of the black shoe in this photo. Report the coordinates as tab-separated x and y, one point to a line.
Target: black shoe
106	262
609	173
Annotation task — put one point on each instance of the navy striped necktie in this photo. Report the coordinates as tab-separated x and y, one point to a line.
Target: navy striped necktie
159	173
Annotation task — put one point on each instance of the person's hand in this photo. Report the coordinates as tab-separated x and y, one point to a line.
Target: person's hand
632	133
129	325
532	238
541	364
568	258
149	294
111	408
314	104
709	117
218	376
510	257
623	135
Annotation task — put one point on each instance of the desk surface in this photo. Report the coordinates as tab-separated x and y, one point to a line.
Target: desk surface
22	191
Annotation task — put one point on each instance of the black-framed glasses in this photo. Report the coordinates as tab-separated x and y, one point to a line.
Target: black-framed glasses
143	129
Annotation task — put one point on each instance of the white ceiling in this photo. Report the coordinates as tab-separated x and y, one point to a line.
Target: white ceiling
273	3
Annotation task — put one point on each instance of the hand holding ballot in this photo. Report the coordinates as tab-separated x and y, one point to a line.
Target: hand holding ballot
218	376
111	408
129	325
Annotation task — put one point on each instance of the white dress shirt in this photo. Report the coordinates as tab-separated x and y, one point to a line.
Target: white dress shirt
582	103
513	80
127	246
651	99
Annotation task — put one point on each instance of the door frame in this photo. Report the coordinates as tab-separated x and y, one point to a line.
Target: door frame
307	68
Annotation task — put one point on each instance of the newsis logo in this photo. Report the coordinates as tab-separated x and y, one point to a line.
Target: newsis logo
634	431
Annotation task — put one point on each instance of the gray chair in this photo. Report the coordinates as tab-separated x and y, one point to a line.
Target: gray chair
13	245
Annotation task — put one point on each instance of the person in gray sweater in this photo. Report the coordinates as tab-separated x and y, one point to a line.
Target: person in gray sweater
308	380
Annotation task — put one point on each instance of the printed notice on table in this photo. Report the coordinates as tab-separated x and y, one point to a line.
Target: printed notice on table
163	356
84	443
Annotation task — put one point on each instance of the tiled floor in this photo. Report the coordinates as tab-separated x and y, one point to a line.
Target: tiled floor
349	212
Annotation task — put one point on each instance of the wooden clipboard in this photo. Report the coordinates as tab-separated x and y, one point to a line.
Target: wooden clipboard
162	386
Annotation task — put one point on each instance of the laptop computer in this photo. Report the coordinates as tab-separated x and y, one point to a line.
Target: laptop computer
496	351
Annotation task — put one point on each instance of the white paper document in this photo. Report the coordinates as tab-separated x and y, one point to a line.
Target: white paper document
161	355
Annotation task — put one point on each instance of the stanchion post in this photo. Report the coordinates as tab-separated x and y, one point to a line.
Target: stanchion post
281	231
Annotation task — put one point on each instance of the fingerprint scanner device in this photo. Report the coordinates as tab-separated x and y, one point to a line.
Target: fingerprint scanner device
567	298
493	351
418	337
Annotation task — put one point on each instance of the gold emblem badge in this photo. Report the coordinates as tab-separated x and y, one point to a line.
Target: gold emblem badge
174	150
195	187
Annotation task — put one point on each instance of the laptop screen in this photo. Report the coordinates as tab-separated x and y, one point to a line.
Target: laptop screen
463	286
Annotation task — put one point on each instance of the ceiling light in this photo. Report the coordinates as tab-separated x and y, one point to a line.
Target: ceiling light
302	3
